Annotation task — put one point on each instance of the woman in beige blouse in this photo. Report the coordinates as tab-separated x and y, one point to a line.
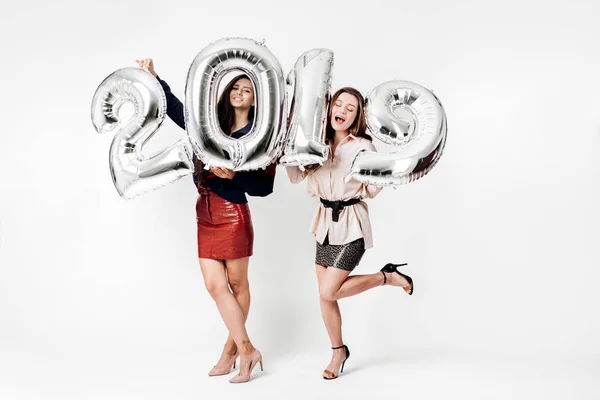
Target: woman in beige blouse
341	225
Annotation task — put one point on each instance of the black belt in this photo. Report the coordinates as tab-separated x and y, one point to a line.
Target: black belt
338	206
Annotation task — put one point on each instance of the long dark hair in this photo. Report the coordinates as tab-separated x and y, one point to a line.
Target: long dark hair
359	126
225	110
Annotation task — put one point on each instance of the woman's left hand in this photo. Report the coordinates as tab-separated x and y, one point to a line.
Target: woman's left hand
224	173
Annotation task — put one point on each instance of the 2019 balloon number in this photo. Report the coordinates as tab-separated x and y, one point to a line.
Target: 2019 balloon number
289	123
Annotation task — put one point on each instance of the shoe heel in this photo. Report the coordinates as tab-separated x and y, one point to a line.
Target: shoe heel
343	362
390	265
391	268
261	366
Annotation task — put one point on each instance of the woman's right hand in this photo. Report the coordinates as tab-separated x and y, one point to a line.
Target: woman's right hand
148	65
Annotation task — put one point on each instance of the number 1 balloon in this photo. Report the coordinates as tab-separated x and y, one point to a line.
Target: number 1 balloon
311	83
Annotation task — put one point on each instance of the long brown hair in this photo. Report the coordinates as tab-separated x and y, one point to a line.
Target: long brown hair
359	126
225	110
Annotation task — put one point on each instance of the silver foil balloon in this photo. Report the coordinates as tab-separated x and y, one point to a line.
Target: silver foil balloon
407	115
132	172
263	144
310	83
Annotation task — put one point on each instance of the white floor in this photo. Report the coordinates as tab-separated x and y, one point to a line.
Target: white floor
403	374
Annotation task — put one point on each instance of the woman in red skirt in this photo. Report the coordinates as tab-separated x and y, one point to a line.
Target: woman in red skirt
225	232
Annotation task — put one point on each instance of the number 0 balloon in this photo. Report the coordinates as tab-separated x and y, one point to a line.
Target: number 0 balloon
262	145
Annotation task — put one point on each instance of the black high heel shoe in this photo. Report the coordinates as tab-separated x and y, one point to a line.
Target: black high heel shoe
390	268
333	375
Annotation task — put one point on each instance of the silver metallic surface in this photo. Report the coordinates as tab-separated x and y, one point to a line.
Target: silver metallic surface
134	174
261	146
411	117
310	88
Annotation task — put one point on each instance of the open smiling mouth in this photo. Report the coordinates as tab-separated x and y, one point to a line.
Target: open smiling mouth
340	120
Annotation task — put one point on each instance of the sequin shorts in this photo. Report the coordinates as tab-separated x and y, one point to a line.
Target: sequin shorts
344	256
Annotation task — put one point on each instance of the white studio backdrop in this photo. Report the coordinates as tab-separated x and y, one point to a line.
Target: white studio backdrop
102	297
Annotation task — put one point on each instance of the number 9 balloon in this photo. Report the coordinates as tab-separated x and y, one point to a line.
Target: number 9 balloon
407	115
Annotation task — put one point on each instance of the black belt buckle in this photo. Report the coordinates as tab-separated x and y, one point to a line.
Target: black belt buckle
338	206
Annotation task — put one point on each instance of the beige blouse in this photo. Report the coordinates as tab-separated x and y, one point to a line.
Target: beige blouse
332	182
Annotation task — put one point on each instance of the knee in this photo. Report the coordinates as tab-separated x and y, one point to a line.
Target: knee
216	289
239	286
328	293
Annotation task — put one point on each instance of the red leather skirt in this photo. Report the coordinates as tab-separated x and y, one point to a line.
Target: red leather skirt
225	229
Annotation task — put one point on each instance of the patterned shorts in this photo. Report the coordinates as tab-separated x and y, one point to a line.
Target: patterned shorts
344	256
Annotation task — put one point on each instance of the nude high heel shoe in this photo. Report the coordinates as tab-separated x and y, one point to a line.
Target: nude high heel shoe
224	370
255	358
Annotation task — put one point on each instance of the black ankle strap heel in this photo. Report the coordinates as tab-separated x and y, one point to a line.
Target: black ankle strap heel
333	376
390	268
